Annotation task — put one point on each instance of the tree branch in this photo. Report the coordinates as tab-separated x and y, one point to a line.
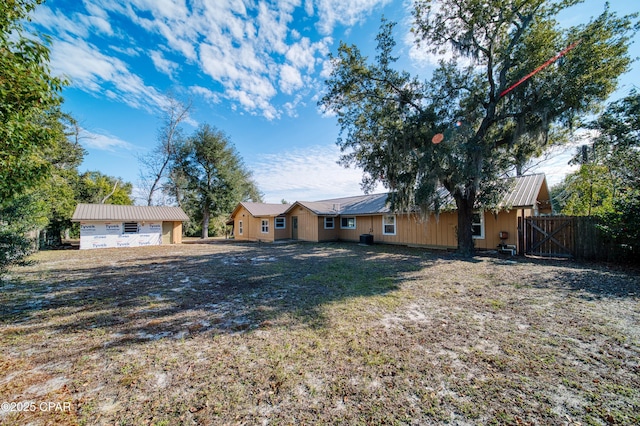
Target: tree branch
111	193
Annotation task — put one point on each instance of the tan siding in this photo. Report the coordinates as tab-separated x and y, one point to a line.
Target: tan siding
307	224
176	237
491	230
506	221
268	236
241	216
328	234
252	227
434	232
413	230
167	232
363	224
410	229
283	234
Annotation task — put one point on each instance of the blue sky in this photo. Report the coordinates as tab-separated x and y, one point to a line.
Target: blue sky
253	69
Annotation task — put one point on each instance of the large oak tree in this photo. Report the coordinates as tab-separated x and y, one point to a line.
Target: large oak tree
208	177
460	130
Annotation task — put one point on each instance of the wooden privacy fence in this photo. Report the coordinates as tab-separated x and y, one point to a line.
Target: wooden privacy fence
565	236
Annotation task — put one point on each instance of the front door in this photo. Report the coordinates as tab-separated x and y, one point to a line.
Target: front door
167	230
294	227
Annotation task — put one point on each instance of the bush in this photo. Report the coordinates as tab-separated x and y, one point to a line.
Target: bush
13	248
622	226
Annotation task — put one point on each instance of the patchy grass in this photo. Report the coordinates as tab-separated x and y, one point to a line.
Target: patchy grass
316	333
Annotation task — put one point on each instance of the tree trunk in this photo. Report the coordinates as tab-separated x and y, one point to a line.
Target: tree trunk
466	245
206	216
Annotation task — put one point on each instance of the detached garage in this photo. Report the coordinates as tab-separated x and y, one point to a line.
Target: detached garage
112	226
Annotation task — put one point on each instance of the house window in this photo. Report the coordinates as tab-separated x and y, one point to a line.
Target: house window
329	223
477	225
389	225
130	228
265	226
348	223
240	228
280	223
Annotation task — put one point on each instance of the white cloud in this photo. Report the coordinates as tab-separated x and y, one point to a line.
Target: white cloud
308	7
104	142
555	163
162	64
209	95
290	79
250	49
63	25
98	23
307	174
332	12
97	73
129	51
302	54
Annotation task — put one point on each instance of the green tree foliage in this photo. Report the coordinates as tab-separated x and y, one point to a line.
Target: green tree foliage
58	190
49	204
607	185
28	96
94	187
209	177
30	130
21	218
589	191
388	118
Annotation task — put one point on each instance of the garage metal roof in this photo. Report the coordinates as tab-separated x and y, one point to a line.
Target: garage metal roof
88	212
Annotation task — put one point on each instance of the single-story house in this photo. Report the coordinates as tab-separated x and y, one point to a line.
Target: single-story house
346	219
110	225
260	222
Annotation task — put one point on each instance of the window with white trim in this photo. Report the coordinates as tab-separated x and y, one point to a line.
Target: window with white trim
477	225
348	223
280	223
130	228
329	223
389	225
240	228
265	226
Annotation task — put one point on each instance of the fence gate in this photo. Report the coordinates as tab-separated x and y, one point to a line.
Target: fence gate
549	236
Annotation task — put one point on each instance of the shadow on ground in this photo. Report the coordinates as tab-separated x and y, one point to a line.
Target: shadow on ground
138	295
141	295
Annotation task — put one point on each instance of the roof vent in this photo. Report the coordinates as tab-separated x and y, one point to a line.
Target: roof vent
336	207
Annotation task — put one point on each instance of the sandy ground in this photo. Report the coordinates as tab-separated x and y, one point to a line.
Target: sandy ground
229	333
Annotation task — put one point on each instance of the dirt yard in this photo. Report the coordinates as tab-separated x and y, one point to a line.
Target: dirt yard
316	334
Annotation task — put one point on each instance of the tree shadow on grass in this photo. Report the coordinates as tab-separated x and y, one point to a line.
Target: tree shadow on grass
594	281
589	280
124	297
114	298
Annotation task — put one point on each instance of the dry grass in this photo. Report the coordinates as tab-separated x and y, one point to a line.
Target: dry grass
317	334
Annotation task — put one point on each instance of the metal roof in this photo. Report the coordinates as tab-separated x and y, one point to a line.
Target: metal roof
128	213
265	209
524	191
358	205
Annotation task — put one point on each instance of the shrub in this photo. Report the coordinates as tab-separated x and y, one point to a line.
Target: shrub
13	248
